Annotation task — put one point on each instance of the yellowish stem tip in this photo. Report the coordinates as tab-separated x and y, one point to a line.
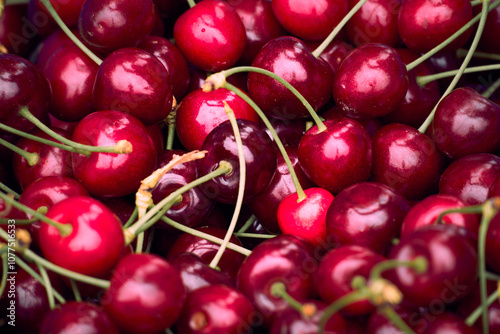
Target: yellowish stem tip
123	147
215	81
308	310
23	238
384	292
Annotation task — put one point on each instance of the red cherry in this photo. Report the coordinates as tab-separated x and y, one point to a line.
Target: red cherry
495	188
68	11
488	41
13	30
51	44
493	243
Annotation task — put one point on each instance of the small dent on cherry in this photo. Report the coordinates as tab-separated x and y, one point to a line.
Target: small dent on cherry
198	321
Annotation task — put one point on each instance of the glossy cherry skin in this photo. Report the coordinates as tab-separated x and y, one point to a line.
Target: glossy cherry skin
111	174
68	11
369	214
312	20
52	161
22	84
466	123
210	35
335	52
110	25
336	270
427	211
78	317
265	204
260	24
423	24
281	259
307	218
470	177
134	81
146	294
337	157
51	44
406	160
495	188
173	60
216	309
288	131
493	243
200	112
13	29
450	255
260	161
95	243
488	37
370	82
289	58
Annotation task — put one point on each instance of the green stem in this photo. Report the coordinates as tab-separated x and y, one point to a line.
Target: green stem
473	209
69	33
5	221
475	42
191	3
6	189
492	89
475	2
298	188
151	235
472	318
254	235
171	129
48	286
492	276
478	54
132	217
31	158
278	289
76	291
319	50
247	224
419	264
5	270
425	79
393	317
139	243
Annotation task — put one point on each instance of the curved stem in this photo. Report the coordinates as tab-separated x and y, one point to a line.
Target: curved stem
425	79
319	50
278	289
478	54
462	68
492	89
472	318
6	189
132	217
48	286
393	317
191	3
419	264
76	292
473	209
241	186
247	224
31	157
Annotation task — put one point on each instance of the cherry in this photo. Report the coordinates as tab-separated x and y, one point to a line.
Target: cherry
200	112
495	188
210	35
95	242
63	125
289	58
337	157
370	82
48	46
442	62
378	323
406	160
216	309
312	20
444	247
369	214
39	23
334	53
488	37
13	28
78	317
468	304
423	24
427	211
134	81
466	123
155	131
289	131
260	160
336	270
71	75
110	174
110	25
68	11
448	322
470	177
493	243
283	259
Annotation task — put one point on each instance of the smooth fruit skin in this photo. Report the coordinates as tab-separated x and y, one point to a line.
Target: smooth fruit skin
95	243
370	82
493	243
210	35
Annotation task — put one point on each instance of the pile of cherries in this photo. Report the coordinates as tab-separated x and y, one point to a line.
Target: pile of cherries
250	166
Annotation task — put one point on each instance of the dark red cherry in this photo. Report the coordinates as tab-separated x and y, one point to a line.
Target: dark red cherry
406	160
51	44
52	161
22	84
370	82
488	37
336	51
68	11
495	188
39	22
260	160
96	240
63	125
468	304
78	317
469	178
283	259
260	24
216	309
155	131
445	61
289	58
146	294
450	323
110	25
200	112
289	131
450	255
375	22
210	35
134	81
493	243
466	123
337	157
378	323
427	211
311	20
423	24
15	34
111	174
336	270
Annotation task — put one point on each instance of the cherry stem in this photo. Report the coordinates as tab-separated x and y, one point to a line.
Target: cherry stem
5	269
48	286
191	3
76	291
241	185
170	120
139	243
492	89
475	2
473	209
164	205
478	54
254	235
472	318
439	47
8	190
425	79
298	188
123	146
319	50
5	221
419	264
64	229
477	37
278	290
69	33
394	317
492	276
132	217
31	158
247	224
